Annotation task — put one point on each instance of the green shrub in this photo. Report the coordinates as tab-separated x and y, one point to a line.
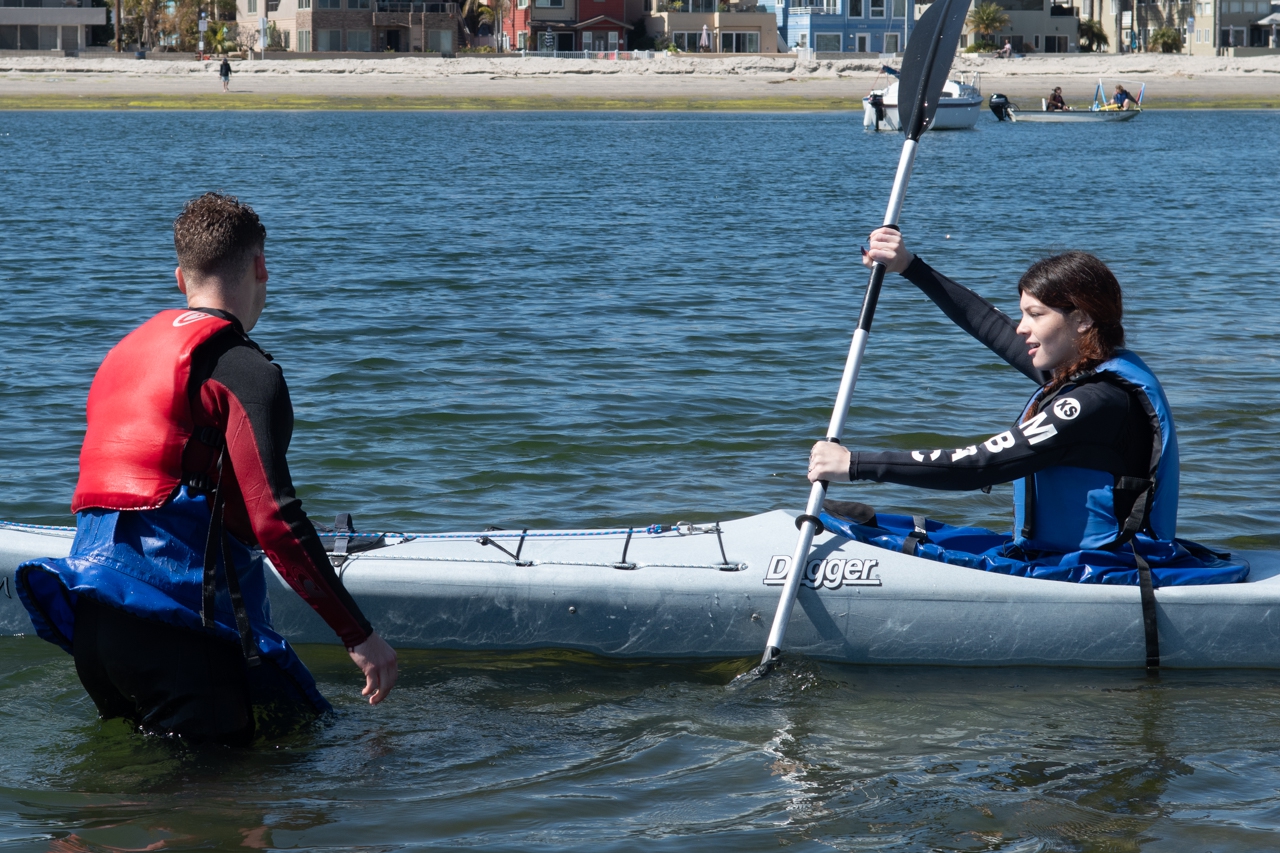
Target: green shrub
1167	40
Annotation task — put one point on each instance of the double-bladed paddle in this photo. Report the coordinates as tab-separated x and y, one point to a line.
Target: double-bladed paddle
924	72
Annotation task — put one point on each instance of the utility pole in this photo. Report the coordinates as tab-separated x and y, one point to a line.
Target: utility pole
119	24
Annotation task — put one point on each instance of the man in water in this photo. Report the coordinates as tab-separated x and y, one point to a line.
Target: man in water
183	486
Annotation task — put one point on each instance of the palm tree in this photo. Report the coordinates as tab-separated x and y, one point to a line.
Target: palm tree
1167	39
1092	35
987	19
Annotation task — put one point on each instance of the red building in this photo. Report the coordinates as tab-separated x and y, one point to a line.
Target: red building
565	25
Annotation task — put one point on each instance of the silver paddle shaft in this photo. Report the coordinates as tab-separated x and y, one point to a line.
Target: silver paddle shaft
852	365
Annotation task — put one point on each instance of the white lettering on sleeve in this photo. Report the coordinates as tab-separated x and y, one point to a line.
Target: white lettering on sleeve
999	442
1036	430
962	452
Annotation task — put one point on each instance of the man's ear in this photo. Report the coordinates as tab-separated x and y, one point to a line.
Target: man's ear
260	266
182	281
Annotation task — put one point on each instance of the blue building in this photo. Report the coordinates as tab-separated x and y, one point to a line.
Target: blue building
845	26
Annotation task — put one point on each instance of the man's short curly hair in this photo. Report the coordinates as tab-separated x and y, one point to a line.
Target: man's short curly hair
216	235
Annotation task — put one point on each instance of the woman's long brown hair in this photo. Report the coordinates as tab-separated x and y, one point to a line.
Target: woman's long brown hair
1078	280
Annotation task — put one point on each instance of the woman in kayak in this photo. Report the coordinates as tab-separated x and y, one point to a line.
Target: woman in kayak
1094	453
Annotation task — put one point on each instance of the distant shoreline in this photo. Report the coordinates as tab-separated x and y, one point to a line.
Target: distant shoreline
723	83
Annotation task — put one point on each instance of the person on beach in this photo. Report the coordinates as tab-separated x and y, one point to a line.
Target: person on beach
1055	102
1123	99
1006	51
183	488
1094	452
224	71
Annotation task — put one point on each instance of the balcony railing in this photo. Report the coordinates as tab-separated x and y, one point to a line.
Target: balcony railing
803	6
418	8
706	8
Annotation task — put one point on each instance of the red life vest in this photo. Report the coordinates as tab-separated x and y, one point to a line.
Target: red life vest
139	414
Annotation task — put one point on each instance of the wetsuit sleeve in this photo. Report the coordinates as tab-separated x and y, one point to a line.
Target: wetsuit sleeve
984	321
247	399
1085	426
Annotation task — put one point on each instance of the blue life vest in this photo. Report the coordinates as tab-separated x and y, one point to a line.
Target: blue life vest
150	563
1065	509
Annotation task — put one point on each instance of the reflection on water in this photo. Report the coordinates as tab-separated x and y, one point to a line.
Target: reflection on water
571	319
566	751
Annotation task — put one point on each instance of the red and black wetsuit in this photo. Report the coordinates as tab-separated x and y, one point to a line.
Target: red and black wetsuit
238	390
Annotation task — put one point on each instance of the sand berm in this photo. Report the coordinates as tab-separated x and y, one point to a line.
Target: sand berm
780	82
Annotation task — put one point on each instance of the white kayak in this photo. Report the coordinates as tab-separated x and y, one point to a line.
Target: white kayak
709	592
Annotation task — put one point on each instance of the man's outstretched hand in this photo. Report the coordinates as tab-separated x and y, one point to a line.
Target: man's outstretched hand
377	661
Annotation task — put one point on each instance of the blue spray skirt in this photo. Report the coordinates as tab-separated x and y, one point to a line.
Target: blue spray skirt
1174	563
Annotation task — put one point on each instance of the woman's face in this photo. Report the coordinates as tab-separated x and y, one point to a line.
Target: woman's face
1053	335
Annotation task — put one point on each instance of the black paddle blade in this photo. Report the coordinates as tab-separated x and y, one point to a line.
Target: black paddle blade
927	63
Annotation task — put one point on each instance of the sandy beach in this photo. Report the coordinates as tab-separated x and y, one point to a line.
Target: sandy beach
664	82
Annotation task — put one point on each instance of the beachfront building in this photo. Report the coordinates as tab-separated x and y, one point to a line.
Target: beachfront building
1035	26
845	26
708	26
1129	24
351	26
48	25
571	25
1233	28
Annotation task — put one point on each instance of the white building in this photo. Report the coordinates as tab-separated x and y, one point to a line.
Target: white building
48	24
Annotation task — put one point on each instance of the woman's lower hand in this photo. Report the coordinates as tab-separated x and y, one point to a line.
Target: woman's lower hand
887	247
828	461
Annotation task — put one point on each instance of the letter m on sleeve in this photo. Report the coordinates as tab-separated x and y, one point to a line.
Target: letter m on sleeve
1036	430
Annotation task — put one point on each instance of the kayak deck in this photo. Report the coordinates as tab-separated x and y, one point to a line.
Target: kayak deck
709	591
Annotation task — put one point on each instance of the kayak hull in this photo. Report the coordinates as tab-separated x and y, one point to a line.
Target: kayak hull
672	597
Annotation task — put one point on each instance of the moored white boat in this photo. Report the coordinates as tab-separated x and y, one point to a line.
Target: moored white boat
958	107
709	591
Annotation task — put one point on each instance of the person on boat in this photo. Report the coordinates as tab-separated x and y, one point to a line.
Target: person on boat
1124	100
183	486
1094	453
1055	102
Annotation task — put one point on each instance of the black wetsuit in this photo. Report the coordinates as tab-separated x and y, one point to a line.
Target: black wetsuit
1110	432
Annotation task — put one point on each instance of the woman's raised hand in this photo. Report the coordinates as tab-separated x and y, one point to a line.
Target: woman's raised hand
886	246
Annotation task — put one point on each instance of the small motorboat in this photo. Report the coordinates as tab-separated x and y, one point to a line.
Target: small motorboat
1099	111
958	107
709	591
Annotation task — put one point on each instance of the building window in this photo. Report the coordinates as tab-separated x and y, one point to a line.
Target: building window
359	40
522	39
863	42
330	40
803	41
827	42
273	6
252	6
357	4
899	8
891	42
855	8
549	4
522	4
739	42
877	8
690	42
304	41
